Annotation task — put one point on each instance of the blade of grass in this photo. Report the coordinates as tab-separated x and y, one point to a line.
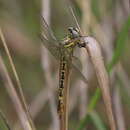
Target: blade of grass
96	120
99	124
3	122
94	100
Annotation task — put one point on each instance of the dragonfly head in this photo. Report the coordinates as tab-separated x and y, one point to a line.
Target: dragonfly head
74	32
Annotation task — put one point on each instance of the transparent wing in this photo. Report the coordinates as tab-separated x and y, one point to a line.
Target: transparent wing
48	39
51	45
46	30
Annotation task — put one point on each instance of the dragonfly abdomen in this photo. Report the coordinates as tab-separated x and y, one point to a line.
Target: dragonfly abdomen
62	76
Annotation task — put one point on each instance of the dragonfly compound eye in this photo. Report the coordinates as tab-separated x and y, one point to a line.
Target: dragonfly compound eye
74	32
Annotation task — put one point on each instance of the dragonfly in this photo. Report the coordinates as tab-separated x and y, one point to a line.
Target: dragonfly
63	51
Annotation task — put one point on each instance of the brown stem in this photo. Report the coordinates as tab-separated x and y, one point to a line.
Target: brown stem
94	52
24	119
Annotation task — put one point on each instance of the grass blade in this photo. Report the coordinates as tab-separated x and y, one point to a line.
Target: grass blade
3	122
97	120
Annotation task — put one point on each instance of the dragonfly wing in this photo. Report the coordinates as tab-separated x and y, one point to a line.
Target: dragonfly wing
76	64
51	46
79	73
46	30
48	38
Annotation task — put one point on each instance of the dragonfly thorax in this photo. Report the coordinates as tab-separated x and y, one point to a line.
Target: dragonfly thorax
72	38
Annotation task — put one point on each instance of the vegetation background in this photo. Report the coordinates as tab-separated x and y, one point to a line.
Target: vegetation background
106	20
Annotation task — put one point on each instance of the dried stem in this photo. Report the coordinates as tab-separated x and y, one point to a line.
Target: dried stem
25	122
11	61
94	52
15	75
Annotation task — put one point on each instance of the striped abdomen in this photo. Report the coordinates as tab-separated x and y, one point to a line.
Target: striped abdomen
62	76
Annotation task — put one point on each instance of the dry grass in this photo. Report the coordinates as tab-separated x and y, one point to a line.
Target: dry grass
105	30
